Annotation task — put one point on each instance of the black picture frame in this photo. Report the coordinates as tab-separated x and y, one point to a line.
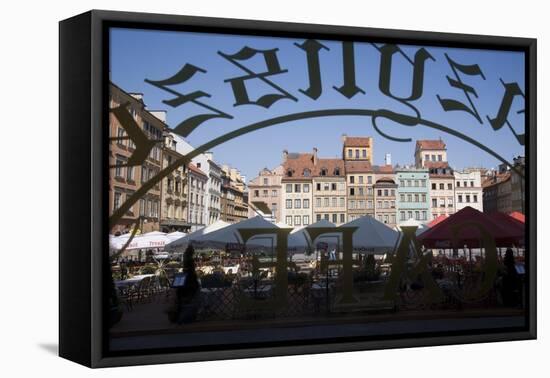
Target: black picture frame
83	75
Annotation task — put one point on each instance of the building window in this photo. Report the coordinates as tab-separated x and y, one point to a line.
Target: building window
289	173
334	218
306	203
265	192
326	202
352	179
475	198
364	153
450	186
117	200
289	204
326	217
307	172
306	188
351	191
297	220
357	154
274	193
130	173
402	197
318	216
409	198
434	186
441	186
467	198
458	184
306	220
439	157
460	198
318	202
323	171
289	188
434	202
471	183
289	220
337	172
342	218
449	202
423	198
297	204
297	188
427	157
342	202
350	154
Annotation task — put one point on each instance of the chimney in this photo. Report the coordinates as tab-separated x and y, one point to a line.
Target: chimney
285	156
160	114
315	159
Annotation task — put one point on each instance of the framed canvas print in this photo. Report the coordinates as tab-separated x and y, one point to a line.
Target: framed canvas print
234	188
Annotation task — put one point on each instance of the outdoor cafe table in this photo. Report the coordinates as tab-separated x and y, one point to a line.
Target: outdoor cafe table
131	281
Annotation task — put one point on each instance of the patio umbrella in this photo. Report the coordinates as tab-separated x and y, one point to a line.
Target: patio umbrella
183	241
175	235
372	236
518	216
411	222
506	220
145	241
441	235
230	234
299	239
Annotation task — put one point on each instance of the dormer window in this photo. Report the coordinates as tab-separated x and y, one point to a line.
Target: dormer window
289	173
307	172
323	171
337	172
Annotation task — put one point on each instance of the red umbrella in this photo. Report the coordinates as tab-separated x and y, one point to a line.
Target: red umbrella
518	216
467	220
437	220
499	217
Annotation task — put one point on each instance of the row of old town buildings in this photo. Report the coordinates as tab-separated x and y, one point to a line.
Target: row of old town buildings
306	188
190	197
303	189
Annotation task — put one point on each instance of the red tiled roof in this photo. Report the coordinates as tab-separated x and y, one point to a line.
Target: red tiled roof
427	144
436	164
357	142
296	164
500	178
330	165
358	166
383	168
196	170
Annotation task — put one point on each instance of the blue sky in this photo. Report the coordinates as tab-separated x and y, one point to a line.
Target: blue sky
137	55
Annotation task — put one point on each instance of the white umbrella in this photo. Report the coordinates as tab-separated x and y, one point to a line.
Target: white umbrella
372	236
230	233
299	239
140	242
175	235
411	222
183	241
